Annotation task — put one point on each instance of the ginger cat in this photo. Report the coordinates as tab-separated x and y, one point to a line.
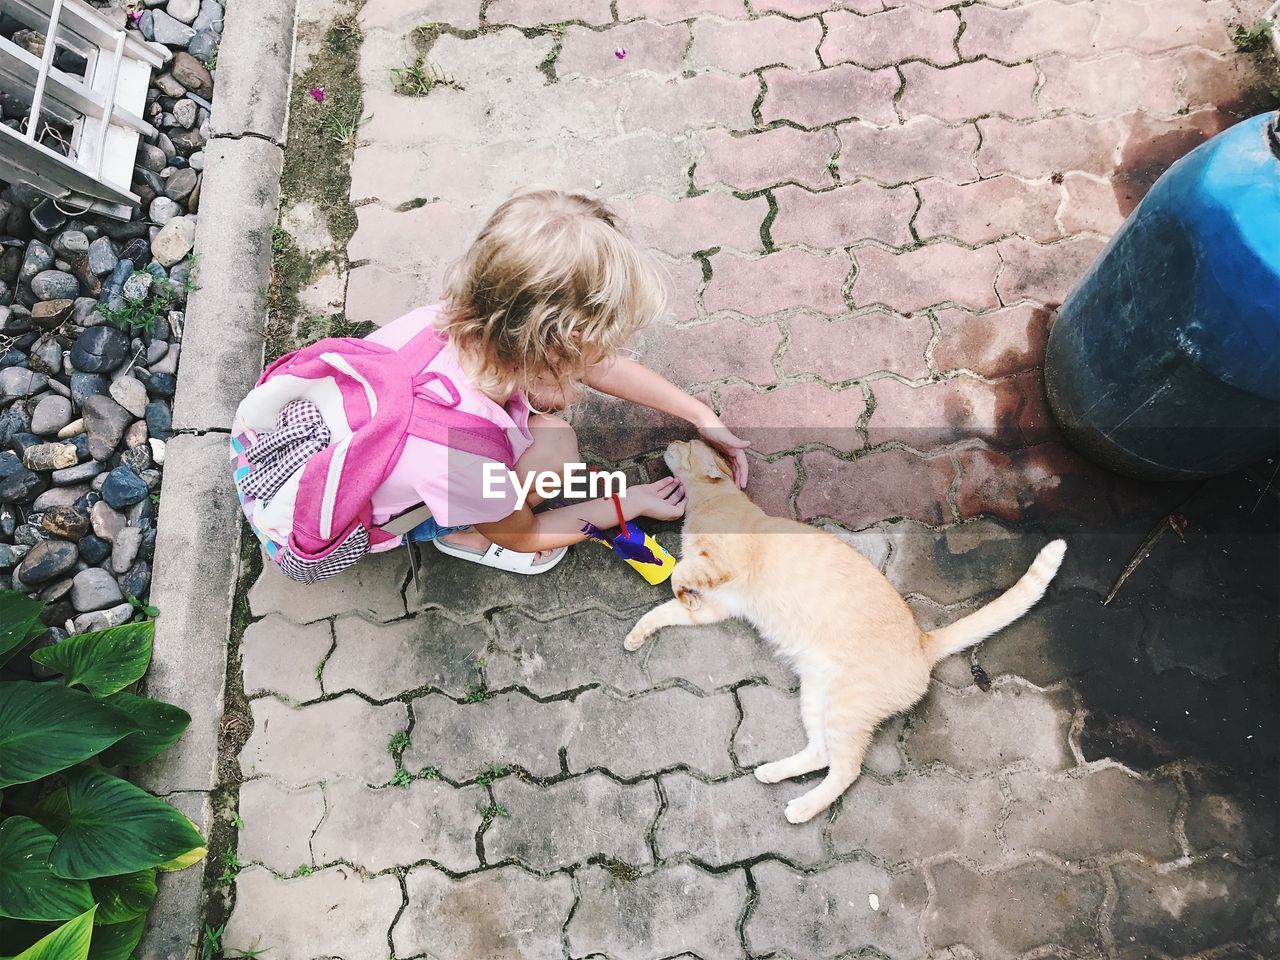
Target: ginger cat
824	607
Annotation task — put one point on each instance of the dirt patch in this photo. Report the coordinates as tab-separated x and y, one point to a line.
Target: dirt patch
317	169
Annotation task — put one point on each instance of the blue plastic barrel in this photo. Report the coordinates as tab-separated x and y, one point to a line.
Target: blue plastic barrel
1164	361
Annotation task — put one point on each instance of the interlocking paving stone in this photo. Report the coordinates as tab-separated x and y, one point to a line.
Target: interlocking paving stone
921	147
654	731
675	108
722	348
837	93
670	910
967	91
771	729
1099	814
981	212
792	415
332	913
344	737
566	823
508	728
278	823
740	47
534	13
384	660
371	587
531	655
283	657
649	46
689	224
779	281
883	39
723	823
1194	908
845	215
993	344
1003	915
759	160
976	731
467	590
1064	636
890	483
395	826
498	913
960	563
828	913
921	816
1216	820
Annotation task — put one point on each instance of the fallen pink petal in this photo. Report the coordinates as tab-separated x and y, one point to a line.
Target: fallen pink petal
620	53
135	16
317	94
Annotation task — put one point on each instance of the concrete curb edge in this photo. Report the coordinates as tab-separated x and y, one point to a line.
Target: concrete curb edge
196	563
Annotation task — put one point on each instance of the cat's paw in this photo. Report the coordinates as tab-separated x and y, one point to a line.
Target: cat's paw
635	640
804	808
770	772
690	597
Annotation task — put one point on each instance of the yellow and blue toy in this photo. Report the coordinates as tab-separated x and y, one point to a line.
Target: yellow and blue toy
642	552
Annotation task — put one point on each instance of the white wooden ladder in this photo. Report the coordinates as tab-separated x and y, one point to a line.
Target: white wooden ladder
104	108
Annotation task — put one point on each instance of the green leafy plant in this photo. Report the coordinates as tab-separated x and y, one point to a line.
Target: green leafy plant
1248	41
212	945
492	811
402	778
489	774
143	313
79	846
398	743
230	867
304	870
418	78
429	773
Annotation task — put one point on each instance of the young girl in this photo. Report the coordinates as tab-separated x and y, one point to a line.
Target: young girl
539	306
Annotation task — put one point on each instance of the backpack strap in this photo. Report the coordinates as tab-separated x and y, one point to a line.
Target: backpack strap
422	348
439	420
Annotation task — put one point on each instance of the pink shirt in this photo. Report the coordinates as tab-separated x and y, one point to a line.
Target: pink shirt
450	482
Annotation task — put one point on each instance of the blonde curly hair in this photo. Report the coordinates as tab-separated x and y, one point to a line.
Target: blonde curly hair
550	287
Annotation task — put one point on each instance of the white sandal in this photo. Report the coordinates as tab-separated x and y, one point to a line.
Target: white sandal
500	558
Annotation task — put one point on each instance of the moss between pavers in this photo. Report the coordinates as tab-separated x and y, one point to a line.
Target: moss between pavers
317	168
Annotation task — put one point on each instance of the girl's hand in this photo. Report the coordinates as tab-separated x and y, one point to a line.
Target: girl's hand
664	500
720	437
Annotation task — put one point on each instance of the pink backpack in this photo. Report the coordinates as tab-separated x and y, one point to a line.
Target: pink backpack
323	429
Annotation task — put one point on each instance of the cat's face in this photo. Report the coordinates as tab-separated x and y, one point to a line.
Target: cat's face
691	461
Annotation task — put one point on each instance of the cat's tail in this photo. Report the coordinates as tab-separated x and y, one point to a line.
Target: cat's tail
1001	611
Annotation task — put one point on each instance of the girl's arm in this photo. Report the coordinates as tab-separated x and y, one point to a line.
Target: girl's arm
528	532
629	380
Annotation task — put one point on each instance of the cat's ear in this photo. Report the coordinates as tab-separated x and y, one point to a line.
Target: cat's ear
711	466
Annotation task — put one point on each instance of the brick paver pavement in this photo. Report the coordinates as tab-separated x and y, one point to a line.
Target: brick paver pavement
869	211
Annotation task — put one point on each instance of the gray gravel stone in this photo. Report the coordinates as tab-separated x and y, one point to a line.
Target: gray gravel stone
107	523
47	560
175	239
102	257
50	415
21	382
163	210
94	589
125	550
130	394
55	285
104	619
170	32
105	421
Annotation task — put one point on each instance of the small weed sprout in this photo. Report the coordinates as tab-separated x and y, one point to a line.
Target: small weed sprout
398	743
429	773
490	773
144	312
304	870
212	946
237	821
230	867
418	78
402	778
492	811
1251	40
